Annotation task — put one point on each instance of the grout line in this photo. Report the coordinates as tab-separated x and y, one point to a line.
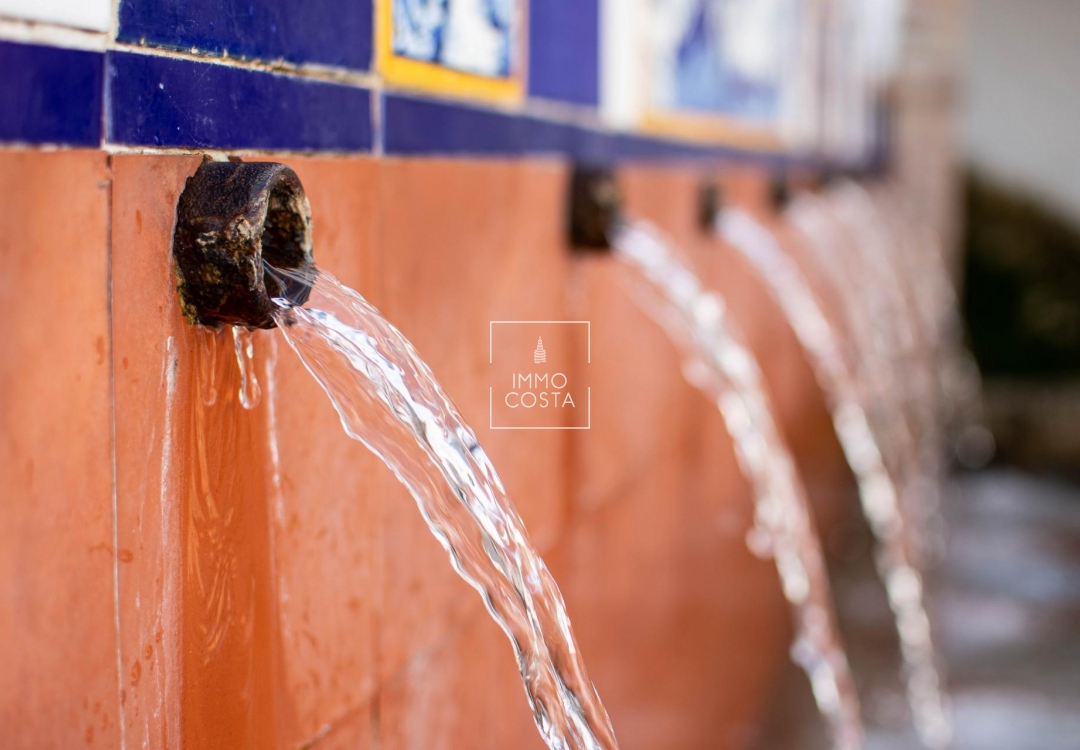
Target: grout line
51	35
219	154
114	20
378	124
65	37
106	103
307	71
106	78
112	441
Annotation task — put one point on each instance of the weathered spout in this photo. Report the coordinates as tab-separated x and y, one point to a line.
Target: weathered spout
231	217
594	208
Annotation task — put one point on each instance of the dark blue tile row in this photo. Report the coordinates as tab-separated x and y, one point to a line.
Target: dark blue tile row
50	95
331	32
564	44
165	101
417	126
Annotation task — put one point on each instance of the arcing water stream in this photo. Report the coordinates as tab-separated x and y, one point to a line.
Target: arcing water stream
881	271
389	400
878	358
721	366
862	448
921	256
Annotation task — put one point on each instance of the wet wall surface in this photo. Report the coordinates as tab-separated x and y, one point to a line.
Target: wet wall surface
174	568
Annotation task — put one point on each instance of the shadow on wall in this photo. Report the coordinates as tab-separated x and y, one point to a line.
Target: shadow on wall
1021	306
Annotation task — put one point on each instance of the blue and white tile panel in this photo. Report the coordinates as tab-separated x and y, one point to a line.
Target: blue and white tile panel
282	75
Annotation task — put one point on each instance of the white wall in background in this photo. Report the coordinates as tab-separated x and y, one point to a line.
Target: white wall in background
95	15
1022	119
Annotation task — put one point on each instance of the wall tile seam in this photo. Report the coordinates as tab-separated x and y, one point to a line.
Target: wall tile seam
307	71
114	19
343	720
704	164
51	35
121	713
64	37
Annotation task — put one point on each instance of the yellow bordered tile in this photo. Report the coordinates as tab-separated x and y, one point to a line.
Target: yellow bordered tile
400	72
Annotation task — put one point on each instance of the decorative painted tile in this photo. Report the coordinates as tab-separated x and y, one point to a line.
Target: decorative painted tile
314	31
162	101
564	42
468	48
473	36
95	15
50	95
709	70
718	56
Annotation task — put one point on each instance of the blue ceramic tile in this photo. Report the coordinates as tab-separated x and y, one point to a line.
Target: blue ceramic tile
564	42
331	32
425	126
465	35
50	95
418	126
162	101
700	73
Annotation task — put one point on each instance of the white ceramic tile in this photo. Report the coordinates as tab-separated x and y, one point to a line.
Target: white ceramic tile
623	68
473	36
94	15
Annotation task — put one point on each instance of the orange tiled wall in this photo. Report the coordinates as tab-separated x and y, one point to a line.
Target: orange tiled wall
185	574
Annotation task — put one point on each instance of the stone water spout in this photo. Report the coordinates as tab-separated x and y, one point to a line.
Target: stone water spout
232	217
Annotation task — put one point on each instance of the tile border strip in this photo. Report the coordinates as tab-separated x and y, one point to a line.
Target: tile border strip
169	102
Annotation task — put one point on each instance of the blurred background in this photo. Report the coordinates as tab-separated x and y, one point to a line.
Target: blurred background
1005	584
1021	210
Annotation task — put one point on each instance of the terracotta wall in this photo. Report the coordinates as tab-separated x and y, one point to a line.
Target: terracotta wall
177	571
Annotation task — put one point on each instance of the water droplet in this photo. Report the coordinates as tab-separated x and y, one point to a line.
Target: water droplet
244	345
760	543
208	347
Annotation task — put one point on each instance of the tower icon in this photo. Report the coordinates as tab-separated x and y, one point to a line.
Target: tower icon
539	355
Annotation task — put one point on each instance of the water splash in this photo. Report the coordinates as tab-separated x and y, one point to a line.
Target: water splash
878	493
720	365
244	346
389	400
